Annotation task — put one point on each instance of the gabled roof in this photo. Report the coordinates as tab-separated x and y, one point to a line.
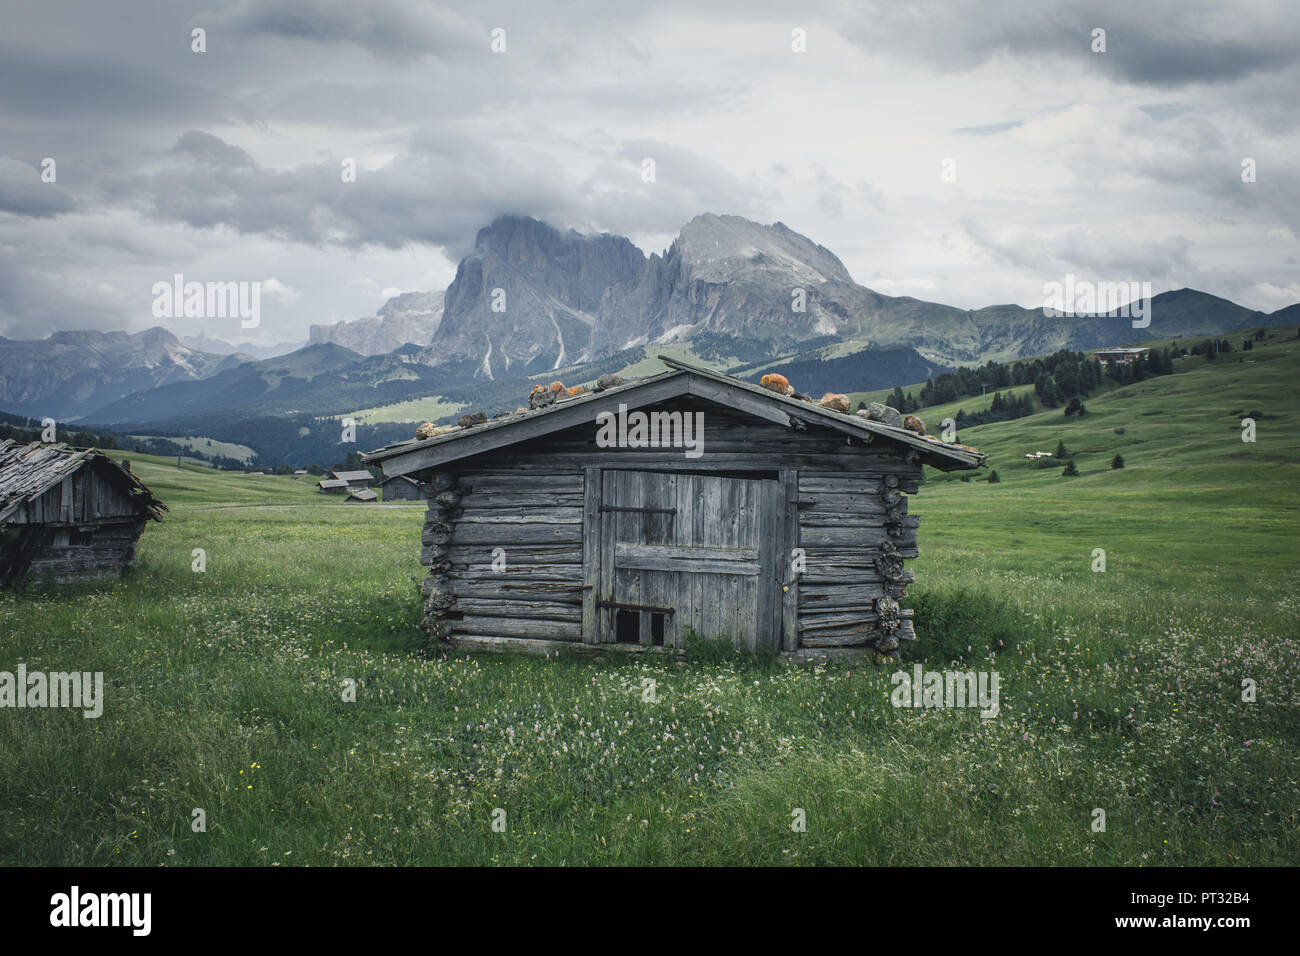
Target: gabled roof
408	456
331	483
28	471
353	476
364	494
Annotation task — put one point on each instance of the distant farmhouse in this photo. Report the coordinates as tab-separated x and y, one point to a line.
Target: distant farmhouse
69	513
401	488
1120	356
342	482
355	479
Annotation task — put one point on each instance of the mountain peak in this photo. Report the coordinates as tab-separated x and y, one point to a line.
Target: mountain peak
719	244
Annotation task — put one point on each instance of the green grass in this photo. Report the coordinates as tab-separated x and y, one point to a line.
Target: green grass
1120	690
206	446
427	409
649	364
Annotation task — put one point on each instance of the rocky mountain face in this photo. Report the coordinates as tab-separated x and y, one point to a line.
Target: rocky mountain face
733	277
70	373
528	297
411	318
531	298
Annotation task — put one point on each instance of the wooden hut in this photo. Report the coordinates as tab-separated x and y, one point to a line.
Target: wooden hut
332	486
401	488
686	502
67	513
355	479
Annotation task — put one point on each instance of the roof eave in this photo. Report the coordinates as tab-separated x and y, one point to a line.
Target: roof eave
704	384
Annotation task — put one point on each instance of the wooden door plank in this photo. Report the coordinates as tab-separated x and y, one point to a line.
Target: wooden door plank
789	579
591	554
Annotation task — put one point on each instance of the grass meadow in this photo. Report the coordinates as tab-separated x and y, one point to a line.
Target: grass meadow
1120	690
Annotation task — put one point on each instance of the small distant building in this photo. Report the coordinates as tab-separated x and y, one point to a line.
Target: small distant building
298	473
401	488
355	479
69	513
1120	356
364	494
332	486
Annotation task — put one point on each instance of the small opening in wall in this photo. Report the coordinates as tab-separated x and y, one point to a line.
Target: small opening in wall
627	627
657	630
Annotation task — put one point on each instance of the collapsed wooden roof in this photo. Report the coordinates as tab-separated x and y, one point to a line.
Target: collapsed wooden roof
413	455
28	471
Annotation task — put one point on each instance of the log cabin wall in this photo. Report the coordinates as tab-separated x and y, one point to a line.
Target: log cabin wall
856	533
71	554
83	526
839	498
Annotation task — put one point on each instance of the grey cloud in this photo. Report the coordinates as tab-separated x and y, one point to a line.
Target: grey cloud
206	148
990	129
383	27
1155	43
1164	111
1149	142
440	191
1098	254
23	193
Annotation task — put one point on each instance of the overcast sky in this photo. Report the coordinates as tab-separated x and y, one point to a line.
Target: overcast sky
225	165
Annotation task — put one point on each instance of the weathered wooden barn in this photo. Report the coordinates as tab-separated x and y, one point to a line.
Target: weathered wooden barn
689	501
68	513
401	488
355	479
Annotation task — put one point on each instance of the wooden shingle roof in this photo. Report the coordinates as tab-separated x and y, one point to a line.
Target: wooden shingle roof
682	379
28	471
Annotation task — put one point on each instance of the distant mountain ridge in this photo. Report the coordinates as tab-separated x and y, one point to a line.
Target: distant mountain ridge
68	373
407	319
532	300
206	343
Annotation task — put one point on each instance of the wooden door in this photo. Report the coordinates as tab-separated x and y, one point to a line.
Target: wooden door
685	552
